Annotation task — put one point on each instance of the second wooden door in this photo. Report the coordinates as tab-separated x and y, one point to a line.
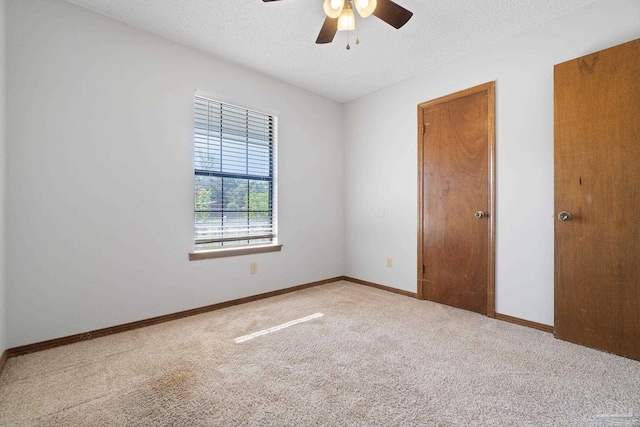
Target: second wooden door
455	246
597	199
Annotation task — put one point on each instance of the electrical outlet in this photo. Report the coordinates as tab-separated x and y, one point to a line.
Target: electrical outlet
253	268
389	262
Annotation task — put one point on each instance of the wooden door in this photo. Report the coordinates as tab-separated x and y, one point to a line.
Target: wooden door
455	247
597	182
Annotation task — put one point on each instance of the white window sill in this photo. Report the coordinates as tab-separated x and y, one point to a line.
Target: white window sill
226	252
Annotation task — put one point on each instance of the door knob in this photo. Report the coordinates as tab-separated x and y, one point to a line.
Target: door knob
564	216
479	214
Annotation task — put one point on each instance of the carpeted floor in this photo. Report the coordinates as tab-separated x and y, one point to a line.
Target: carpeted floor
337	355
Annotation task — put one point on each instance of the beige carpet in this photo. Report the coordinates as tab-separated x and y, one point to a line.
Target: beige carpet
372	358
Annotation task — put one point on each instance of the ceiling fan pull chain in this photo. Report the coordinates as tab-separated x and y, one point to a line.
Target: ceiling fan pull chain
357	26
348	46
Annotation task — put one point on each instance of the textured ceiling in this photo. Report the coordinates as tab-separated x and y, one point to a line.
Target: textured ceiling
278	38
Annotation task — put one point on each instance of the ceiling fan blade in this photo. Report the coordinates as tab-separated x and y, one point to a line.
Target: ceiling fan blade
392	13
269	0
328	31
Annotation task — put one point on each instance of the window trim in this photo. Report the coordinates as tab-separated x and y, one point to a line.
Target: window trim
227	252
274	246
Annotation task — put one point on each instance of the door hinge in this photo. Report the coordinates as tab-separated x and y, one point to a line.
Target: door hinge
423	128
423	269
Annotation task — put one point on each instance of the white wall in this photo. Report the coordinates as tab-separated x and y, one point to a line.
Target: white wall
98	149
100	185
381	156
3	317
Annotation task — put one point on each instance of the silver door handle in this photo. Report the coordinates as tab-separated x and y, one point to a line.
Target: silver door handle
479	214
564	216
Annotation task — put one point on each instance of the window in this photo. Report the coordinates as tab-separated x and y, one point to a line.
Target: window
234	191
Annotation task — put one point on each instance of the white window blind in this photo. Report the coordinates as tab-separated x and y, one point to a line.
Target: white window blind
234	175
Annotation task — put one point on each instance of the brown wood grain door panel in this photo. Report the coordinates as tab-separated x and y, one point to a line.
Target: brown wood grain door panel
597	180
456	167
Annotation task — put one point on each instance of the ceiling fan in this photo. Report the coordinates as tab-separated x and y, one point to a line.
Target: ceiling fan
340	16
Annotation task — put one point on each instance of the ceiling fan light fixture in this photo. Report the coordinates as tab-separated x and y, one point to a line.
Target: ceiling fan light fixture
365	7
333	8
347	20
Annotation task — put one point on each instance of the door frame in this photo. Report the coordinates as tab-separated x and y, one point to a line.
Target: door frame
491	171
